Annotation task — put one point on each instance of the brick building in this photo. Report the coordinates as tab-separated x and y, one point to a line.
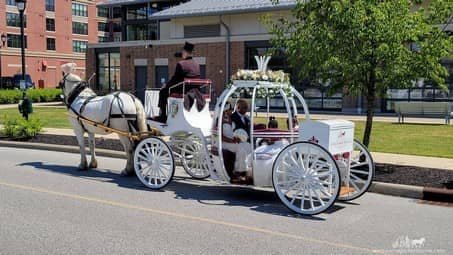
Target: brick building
145	34
57	31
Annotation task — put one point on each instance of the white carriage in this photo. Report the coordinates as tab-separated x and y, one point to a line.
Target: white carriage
188	131
309	167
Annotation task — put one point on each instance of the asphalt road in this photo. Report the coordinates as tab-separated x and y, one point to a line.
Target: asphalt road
48	207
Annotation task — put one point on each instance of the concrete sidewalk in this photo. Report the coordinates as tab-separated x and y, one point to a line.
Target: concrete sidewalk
379	118
379	157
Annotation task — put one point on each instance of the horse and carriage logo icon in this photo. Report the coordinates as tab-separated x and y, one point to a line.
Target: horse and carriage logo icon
404	242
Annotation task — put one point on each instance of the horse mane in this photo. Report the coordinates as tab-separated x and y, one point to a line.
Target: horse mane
74	78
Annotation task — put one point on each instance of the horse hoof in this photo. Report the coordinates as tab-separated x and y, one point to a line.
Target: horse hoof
83	167
93	164
126	173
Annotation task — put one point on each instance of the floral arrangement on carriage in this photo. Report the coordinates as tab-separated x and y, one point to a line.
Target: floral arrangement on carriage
263	75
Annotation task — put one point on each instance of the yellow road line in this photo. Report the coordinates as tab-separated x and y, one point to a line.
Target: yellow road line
187	217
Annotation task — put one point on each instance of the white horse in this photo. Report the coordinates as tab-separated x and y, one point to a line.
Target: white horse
118	110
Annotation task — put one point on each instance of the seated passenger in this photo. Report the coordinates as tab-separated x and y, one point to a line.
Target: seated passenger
233	143
239	118
186	68
273	123
295	122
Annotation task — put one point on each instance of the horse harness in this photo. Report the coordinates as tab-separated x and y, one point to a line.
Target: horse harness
80	87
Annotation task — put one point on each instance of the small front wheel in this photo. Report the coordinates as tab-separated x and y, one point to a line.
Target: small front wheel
361	173
154	163
194	158
306	178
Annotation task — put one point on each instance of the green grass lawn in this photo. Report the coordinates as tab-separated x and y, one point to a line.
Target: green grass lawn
413	139
51	117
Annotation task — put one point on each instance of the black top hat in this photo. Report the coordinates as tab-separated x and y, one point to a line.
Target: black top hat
188	47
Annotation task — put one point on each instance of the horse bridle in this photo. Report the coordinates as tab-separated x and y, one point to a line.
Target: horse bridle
74	93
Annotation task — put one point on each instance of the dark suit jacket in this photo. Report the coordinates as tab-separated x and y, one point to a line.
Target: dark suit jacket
186	68
236	119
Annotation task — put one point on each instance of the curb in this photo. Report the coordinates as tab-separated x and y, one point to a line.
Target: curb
410	191
400	190
61	148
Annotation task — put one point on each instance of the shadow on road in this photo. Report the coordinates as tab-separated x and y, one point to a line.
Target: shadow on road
100	175
257	200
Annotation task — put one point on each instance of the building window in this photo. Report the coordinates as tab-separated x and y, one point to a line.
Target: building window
140	32
51	44
422	91
103	12
202	31
50	5
79	46
104	39
137	12
79	28
116	27
79	10
50	24
11	2
203	71
108	71
316	96
13	19
116	12
14	41
103	27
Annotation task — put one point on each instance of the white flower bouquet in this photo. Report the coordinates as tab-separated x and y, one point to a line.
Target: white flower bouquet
268	76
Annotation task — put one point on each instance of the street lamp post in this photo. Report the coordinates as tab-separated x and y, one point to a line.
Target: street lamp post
25	106
2	44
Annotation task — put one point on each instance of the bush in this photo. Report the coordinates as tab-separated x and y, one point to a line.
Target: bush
10	96
21	128
36	95
44	95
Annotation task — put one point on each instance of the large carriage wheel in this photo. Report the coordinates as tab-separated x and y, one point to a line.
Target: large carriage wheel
154	163
306	178
194	158
361	173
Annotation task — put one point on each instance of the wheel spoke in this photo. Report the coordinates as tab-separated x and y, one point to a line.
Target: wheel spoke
295	195
311	199
302	200
357	179
318	197
359	164
320	175
359	172
147	169
354	184
142	158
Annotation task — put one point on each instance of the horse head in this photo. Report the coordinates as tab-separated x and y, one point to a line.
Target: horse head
70	80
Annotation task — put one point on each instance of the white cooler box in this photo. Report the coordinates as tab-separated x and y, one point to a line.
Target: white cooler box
336	136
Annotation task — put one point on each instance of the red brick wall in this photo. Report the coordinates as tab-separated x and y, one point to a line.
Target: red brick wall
213	52
36	53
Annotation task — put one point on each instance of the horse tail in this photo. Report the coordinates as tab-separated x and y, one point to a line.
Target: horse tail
141	116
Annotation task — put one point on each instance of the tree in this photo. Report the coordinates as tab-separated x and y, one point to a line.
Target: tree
364	46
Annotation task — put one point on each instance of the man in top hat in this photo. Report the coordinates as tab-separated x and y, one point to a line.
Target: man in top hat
186	68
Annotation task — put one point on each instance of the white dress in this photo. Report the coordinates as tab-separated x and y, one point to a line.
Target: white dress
242	150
